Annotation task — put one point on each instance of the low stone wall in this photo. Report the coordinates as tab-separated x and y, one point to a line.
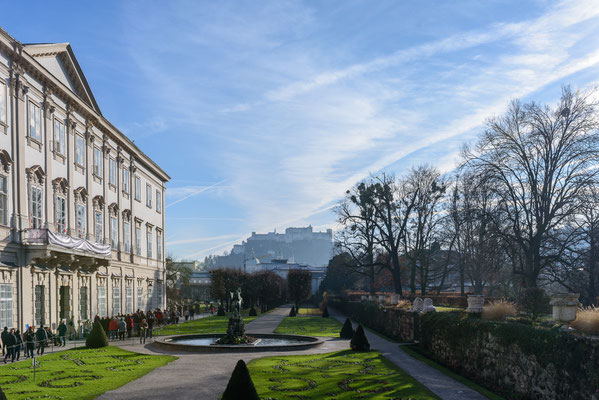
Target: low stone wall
519	361
392	322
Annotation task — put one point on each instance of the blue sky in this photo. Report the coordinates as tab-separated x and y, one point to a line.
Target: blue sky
264	113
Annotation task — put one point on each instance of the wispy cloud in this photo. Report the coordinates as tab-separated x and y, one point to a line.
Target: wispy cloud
301	108
190	192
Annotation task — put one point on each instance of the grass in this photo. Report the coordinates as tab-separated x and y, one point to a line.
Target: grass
309	311
498	310
310	326
414	352
339	375
79	373
212	324
587	320
448	309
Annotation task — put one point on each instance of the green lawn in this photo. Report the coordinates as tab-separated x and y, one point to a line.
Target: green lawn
212	324
340	375
76	374
310	326
309	311
448	309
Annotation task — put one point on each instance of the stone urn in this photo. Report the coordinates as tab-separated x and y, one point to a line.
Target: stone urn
475	303
564	306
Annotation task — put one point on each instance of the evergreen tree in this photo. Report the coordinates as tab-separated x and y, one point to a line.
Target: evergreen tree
240	386
359	342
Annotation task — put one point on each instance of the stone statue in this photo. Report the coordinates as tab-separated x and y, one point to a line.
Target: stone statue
428	305
418	305
236	300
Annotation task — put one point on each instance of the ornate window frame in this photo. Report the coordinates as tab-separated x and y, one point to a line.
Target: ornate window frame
61	191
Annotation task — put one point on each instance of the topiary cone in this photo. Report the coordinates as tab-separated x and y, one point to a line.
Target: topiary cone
2	395
347	332
240	386
97	337
292	313
359	342
325	313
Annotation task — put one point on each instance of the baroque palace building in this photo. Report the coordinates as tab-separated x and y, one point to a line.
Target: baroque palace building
81	207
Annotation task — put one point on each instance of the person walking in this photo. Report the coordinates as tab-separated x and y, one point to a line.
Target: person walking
129	322
62	333
10	343
186	314
2	337
113	327
29	342
19	344
143	327
41	336
122	329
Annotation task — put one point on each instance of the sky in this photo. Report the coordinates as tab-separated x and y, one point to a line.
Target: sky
265	112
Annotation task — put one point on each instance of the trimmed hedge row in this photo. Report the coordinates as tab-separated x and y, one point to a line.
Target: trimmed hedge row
397	324
521	361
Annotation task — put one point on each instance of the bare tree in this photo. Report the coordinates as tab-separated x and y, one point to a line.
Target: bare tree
421	240
393	203
475	221
539	160
356	214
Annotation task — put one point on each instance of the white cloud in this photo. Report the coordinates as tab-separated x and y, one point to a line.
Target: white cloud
295	127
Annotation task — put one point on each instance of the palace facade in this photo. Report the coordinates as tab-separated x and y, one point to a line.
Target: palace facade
81	207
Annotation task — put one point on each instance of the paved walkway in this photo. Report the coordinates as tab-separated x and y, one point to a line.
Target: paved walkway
205	376
437	382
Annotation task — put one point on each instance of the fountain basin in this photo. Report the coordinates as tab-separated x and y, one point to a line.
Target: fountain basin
264	342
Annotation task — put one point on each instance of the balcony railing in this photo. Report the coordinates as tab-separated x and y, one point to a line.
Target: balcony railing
47	237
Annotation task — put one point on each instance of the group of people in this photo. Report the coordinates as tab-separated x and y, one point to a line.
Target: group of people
141	323
13	342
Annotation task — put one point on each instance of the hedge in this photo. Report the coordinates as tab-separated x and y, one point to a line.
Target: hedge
555	363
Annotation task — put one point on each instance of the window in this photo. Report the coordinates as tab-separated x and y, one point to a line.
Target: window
61	214
3	199
112	172
140	293
159	245
39	305
125	180
150	294
137	188
158	200
114	233
35	126
149	244
81	220
79	150
99	219
148	195
83	301
36	207
97	162
116	300
6	304
138	240
59	140
159	295
127	236
65	302
128	300
3	103
102	301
